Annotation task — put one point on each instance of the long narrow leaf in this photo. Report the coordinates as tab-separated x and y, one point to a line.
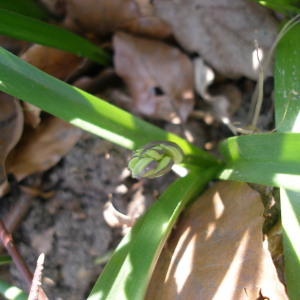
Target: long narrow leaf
11	292
271	159
86	111
32	30
24	7
128	272
5	259
287	115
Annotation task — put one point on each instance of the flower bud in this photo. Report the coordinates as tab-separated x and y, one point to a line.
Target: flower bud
154	159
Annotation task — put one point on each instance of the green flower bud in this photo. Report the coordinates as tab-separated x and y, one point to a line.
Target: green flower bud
154	159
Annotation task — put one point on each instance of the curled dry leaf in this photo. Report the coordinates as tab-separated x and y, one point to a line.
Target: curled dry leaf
114	218
217	251
160	77
104	17
221	31
41	148
11	127
226	98
55	62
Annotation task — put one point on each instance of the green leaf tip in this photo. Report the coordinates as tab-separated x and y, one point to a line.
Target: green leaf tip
154	159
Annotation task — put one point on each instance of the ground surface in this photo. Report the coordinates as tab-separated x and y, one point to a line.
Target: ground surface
68	225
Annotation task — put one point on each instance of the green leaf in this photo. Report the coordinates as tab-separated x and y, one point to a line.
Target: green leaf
287	116
127	274
5	259
287	82
11	292
271	159
24	7
286	7
31	30
86	111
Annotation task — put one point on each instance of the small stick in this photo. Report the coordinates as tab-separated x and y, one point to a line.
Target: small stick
260	86
37	278
263	67
17	259
14	253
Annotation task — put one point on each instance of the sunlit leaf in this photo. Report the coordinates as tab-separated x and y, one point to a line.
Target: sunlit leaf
216	251
287	115
87	111
271	159
32	30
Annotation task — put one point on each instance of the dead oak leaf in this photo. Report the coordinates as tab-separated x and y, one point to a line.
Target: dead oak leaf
104	17
41	148
57	63
11	127
221	31
159	77
216	251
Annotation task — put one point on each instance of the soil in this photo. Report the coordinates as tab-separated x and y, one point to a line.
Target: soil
69	227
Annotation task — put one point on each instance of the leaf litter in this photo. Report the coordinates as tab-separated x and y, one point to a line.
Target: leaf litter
221	31
11	128
216	251
155	44
164	89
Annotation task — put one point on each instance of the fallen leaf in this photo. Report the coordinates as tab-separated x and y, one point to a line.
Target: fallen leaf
221	31
216	251
55	62
41	148
224	99
159	77
11	127
103	17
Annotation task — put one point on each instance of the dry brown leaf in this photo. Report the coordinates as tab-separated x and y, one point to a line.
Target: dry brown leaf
104	17
41	148
224	99
160	77
221	31
55	62
11	127
217	251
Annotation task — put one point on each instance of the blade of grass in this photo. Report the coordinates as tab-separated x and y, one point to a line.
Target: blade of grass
11	292
86	111
32	30
24	7
127	274
287	116
271	159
